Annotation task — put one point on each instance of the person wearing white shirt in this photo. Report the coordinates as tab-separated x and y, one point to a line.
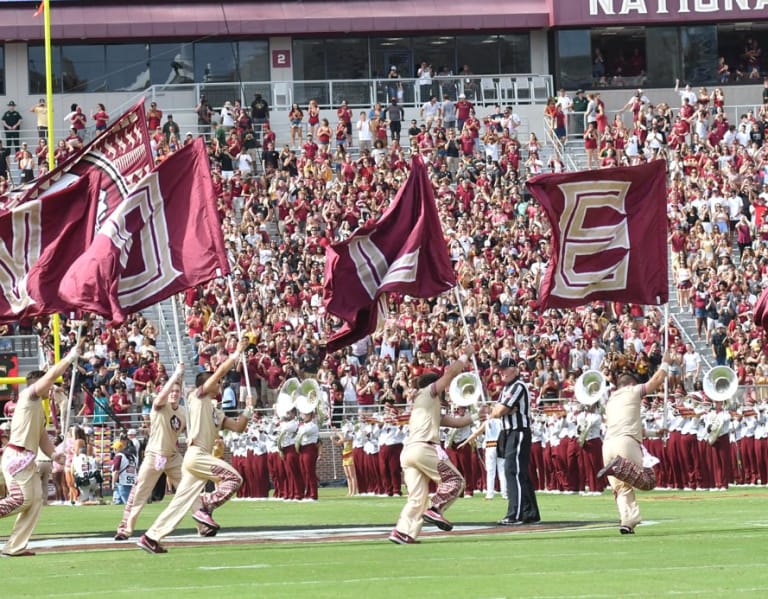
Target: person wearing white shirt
364	134
595	355
687	92
691	366
564	101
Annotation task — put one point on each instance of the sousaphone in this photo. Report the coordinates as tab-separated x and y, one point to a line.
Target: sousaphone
465	390
591	387
286	397
720	383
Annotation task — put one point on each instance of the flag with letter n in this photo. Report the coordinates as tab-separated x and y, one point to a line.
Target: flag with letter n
162	239
608	235
404	251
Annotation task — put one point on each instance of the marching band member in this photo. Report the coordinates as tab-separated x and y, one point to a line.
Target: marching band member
747	442
286	439
275	465
653	441
390	448
307	442
718	429
460	453
371	459
589	423
344	438
539	472
257	460
490	429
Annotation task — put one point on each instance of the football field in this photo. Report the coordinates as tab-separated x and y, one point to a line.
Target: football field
692	544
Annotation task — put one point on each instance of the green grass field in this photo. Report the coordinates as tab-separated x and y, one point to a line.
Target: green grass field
692	545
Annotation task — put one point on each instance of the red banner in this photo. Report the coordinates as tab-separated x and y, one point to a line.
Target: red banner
116	160
404	251
163	238
39	240
608	235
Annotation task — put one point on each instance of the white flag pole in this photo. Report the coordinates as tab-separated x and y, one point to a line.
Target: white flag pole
469	339
68	411
665	417
239	336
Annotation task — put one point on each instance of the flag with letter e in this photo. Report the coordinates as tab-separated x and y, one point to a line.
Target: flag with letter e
608	235
404	251
162	239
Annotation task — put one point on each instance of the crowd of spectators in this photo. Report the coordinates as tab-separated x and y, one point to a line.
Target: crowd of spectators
280	209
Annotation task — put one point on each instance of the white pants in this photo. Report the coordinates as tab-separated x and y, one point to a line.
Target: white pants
494	465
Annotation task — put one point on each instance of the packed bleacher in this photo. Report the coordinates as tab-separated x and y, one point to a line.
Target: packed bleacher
281	204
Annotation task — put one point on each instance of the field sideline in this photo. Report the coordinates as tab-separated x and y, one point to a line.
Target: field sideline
694	544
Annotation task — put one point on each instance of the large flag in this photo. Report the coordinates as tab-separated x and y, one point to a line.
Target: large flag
404	251
163	238
608	235
39	240
119	157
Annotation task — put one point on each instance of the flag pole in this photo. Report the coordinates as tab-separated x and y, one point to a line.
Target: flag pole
56	324
466	334
666	379
243	359
68	411
179	352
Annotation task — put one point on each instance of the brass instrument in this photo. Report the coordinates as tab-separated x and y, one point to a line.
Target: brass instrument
591	387
720	383
465	390
286	397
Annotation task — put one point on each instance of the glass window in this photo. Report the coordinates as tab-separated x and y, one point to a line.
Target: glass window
83	68
127	67
618	56
347	58
439	52
574	59
699	53
309	65
479	52
663	70
254	60
388	52
741	51
36	58
215	62
308	60
515	53
170	63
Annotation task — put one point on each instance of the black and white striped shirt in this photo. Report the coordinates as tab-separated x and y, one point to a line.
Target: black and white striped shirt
515	396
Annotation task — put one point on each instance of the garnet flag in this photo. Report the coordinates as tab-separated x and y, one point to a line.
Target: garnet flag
608	235
162	239
38	242
120	156
404	251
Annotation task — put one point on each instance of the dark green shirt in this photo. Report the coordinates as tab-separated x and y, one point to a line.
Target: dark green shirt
580	104
11	117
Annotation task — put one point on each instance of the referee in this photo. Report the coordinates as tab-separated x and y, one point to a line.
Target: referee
514	409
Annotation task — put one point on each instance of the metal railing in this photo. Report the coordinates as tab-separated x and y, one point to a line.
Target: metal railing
485	90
